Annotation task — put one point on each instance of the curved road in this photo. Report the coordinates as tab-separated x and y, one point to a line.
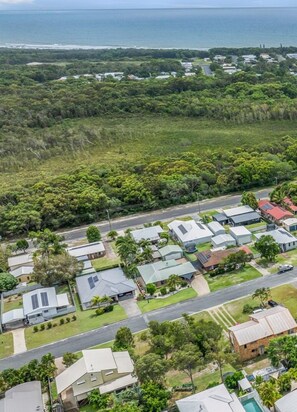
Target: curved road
165	214
139	323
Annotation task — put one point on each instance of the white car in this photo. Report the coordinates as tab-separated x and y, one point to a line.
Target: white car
285	268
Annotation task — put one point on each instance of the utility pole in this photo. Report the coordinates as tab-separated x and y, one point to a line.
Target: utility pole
109	221
198	200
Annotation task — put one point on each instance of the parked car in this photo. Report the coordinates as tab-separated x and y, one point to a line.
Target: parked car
285	268
272	303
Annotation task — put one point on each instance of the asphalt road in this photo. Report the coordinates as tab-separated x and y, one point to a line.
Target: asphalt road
166	214
139	323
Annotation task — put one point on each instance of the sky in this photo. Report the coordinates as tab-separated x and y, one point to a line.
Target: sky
109	4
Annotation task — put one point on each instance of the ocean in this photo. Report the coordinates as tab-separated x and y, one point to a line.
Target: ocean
163	28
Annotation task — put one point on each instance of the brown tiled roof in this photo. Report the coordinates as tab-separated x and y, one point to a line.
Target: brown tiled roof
210	258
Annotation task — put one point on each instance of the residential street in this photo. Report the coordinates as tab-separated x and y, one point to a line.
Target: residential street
166	214
138	323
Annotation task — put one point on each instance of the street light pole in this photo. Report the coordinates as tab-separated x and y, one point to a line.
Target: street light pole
198	200
109	221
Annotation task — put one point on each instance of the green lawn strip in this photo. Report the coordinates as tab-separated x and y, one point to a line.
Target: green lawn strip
191	257
152	304
6	345
256	225
88	408
105	263
285	295
233	278
13	302
202	247
86	321
208	213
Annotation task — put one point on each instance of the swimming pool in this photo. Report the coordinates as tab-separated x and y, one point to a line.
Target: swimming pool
251	405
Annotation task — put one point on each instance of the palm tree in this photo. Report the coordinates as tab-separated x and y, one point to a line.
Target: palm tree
165	237
146	256
144	243
269	393
173	281
127	249
221	355
96	301
262	294
131	271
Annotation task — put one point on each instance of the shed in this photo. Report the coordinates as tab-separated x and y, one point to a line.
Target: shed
245	219
241	234
223	241
171	252
245	385
290	224
216	228
220	218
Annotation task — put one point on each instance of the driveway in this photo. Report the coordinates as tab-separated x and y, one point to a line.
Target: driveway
130	307
200	285
19	342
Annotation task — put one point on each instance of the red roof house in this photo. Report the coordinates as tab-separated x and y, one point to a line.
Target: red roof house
290	205
273	212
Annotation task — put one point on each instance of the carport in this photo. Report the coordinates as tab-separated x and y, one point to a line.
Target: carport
13	319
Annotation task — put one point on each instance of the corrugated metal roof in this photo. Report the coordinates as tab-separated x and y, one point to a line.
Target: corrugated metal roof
13	316
84	250
287	403
191	230
239	231
160	271
148	233
281	236
235	211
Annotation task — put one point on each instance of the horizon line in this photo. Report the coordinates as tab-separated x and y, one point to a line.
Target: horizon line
157	8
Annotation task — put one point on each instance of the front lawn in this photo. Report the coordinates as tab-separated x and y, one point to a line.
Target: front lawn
233	278
285	295
105	263
152	304
86	321
258	225
6	345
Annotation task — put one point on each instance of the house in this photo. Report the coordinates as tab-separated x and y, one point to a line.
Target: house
152	234
159	272
112	283
290	224
25	259
170	252
290	205
100	369
44	304
284	239
23	273
223	241
190	232
26	397
238	216
241	234
216	228
216	399
90	251
249	339
273	212
211	259
287	403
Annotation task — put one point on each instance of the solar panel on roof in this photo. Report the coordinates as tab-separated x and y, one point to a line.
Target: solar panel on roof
95	278
34	300
91	283
182	229
44	299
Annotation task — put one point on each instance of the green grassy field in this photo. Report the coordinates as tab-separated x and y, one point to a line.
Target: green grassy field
136	137
6	345
86	321
285	295
233	278
13	302
152	304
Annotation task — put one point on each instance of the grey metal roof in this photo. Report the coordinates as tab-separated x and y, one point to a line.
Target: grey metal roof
26	397
247	217
220	217
239	231
166	250
189	230
216	227
287	403
236	211
222	239
281	236
20	260
84	250
22	270
40	299
148	233
110	283
160	271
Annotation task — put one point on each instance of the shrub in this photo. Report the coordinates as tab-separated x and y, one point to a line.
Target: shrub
172	289
212	385
184	284
42	326
35	329
144	336
140	298
108	308
62	321
248	309
163	291
151	289
73	317
55	325
49	325
231	381
68	319
99	311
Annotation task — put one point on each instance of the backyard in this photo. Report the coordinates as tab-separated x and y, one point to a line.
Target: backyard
13	302
153	304
233	278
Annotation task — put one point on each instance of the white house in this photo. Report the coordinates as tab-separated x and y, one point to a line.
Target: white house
284	239
223	241
26	397
216	399
190	232
89	251
216	228
25	259
151	233
290	224
241	234
287	403
100	369
44	304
